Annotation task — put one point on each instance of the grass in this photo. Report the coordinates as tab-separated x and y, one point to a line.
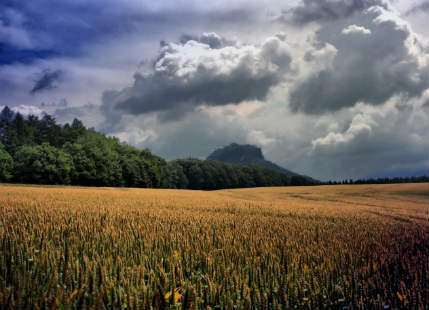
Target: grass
325	247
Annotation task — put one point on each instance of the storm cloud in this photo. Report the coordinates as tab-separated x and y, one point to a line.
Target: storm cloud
377	56
206	71
47	80
396	133
326	10
12	31
30	30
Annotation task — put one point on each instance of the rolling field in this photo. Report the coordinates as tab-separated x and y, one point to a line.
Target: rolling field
325	247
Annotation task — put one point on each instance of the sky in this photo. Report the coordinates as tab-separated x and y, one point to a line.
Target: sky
328	88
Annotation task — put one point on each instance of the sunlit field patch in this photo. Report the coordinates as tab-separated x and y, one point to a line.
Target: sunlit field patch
325	247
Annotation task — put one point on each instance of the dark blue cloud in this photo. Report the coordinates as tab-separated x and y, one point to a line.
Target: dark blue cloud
48	80
10	55
69	27
39	29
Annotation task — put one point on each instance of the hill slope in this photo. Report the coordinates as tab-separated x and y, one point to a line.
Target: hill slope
248	154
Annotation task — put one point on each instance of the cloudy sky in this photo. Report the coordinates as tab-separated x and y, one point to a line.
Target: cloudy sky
329	88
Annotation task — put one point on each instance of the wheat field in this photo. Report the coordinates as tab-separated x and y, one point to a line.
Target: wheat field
323	247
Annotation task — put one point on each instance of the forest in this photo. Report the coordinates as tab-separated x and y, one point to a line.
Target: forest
40	151
37	150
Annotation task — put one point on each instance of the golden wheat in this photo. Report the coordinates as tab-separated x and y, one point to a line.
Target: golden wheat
326	247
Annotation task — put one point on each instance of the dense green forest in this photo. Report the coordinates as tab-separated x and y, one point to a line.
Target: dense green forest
209	174
40	151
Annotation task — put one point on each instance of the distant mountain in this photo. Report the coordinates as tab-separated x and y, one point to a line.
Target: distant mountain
250	155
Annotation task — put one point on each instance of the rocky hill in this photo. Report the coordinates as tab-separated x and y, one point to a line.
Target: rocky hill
250	155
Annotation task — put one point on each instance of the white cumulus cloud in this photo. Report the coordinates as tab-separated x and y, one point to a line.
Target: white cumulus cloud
356	29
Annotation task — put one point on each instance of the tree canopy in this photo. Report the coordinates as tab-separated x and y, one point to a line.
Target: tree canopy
6	164
40	151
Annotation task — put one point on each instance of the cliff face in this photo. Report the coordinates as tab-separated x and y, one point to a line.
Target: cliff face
246	154
238	154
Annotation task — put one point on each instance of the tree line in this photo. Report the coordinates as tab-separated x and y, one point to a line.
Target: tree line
37	150
393	180
40	151
208	174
